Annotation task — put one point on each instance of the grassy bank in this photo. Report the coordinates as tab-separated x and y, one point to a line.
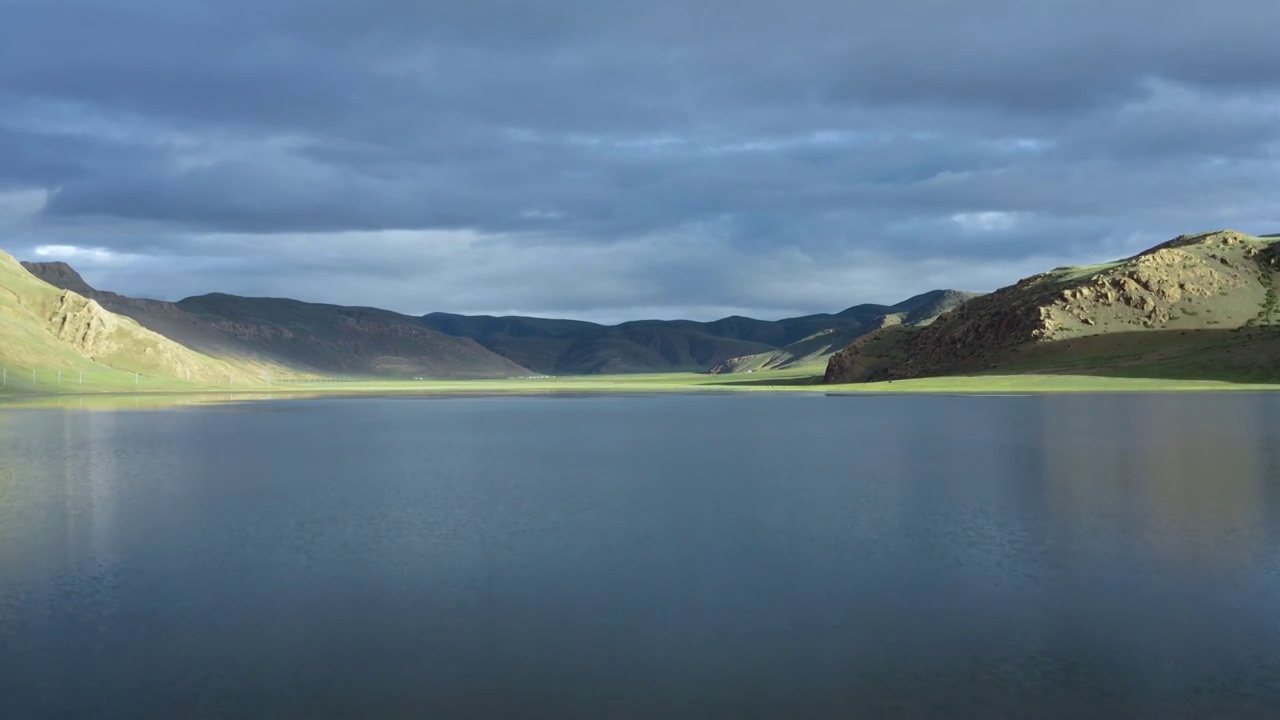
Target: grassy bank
803	380
782	382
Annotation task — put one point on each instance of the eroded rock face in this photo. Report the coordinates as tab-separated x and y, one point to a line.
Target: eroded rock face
1187	280
1146	290
100	335
84	324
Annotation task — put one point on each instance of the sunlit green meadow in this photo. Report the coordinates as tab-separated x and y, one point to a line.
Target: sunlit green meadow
120	394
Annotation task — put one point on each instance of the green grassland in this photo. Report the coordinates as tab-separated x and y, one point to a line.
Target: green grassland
795	380
782	381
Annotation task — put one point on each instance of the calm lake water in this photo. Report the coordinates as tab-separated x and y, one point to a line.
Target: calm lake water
645	557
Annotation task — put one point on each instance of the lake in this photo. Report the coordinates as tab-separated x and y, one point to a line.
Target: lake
687	556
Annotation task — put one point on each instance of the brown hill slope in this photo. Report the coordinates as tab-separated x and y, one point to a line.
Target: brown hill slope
348	340
165	318
1196	306
291	337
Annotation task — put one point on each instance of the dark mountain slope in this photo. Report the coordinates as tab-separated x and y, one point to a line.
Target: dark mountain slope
332	338
534	343
287	336
575	347
572	347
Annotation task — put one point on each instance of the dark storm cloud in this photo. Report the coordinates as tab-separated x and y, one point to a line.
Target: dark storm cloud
696	155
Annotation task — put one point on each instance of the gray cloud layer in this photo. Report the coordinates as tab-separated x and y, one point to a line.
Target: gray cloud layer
607	159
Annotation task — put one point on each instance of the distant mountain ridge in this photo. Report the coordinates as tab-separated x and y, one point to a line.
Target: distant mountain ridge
290	336
573	347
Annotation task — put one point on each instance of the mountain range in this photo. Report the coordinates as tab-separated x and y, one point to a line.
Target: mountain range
1199	306
289	338
574	347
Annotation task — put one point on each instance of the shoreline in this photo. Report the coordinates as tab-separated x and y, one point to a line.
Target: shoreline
638	386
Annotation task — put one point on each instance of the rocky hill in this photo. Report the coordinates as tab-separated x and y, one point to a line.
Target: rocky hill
1196	306
48	331
165	318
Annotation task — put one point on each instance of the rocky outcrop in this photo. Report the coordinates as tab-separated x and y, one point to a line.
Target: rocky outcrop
116	341
1219	279
84	325
1153	284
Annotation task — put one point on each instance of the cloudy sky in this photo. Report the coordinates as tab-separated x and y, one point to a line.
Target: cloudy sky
611	160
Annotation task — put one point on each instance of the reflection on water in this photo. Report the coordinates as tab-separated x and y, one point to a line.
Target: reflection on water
1081	556
1177	461
148	401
